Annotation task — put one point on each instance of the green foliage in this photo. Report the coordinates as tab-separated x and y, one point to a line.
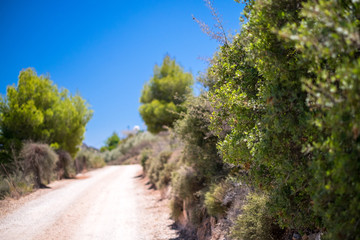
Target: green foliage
130	147
328	38
285	117
96	161
145	155
199	142
200	160
286	97
89	158
162	97
38	160
15	185
258	98
156	170
165	175
36	110
111	143
185	182
254	222
214	198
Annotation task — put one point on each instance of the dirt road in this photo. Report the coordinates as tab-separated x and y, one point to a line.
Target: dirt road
109	203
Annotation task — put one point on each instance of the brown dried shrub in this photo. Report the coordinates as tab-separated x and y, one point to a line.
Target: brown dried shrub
38	160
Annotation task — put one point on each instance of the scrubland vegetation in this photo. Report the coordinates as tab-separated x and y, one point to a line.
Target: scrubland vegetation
128	149
270	148
41	130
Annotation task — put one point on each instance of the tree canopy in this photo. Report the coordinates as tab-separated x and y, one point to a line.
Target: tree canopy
111	143
163	96
36	110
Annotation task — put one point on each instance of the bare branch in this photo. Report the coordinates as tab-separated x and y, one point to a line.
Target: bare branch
219	35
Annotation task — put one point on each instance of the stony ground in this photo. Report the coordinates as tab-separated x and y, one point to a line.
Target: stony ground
109	203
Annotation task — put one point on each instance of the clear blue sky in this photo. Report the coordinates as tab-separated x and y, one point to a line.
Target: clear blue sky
105	50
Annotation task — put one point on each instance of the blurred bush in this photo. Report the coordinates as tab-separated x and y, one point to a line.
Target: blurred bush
88	158
254	223
38	160
176	208
144	156
64	167
215	198
163	96
184	182
129	147
15	185
156	168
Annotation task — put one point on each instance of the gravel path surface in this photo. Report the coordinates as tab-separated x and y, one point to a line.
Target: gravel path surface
109	203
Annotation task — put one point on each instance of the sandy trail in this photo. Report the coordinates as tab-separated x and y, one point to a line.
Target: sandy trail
111	203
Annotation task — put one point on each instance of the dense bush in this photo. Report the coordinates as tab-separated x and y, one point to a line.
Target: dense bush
162	97
254	223
284	115
15	185
111	143
96	161
215	202
165	174
144	157
88	158
199	142
64	165
200	163
260	94
156	170
176	208
185	182
36	110
288	89
38	160
328	38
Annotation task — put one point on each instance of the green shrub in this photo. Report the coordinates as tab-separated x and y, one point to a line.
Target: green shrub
19	185
259	97
4	187
286	94
176	208
199	142
325	37
38	160
156	166
165	175
89	158
130	147
112	155
37	110
254	222
196	212
214	198
15	186
144	156
81	159
96	161
184	182
163	96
